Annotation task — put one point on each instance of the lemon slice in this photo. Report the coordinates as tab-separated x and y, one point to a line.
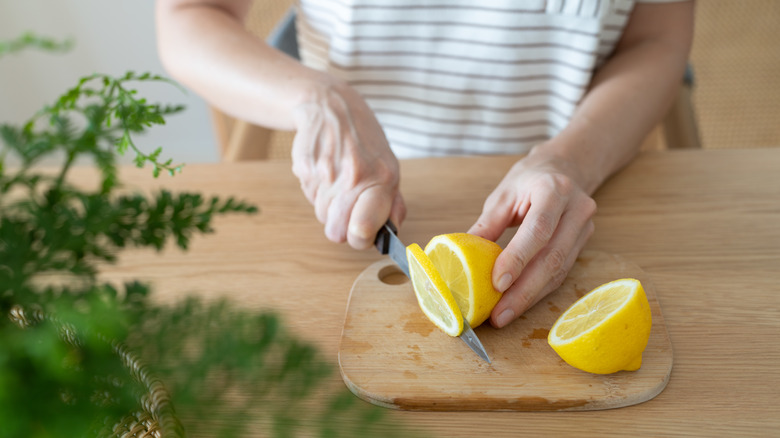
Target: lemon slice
606	330
432	292
465	261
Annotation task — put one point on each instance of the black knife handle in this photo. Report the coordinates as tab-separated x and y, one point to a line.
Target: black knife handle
382	241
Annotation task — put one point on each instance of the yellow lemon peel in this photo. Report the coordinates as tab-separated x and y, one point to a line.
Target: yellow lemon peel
606	330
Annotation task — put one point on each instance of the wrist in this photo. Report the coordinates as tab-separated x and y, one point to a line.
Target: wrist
315	92
589	151
567	161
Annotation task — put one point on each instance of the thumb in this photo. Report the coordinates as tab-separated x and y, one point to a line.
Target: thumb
398	209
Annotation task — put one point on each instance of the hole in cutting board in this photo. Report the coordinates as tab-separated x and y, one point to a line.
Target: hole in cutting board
392	275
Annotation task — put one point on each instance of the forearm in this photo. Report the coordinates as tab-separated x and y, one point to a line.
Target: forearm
628	96
203	44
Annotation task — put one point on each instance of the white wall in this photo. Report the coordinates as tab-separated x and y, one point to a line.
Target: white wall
112	37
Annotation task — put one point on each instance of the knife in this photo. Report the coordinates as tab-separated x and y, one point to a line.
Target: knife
387	242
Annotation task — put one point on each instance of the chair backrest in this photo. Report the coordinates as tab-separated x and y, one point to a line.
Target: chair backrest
680	128
284	36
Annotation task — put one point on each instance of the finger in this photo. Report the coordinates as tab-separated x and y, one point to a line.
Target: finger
369	213
339	212
518	300
542	276
557	280
301	170
534	233
398	210
325	188
303	159
497	215
308	132
323	196
325	156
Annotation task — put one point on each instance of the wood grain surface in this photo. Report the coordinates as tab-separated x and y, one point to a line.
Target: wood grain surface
392	356
703	225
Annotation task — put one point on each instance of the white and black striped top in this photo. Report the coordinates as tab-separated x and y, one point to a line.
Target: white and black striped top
449	77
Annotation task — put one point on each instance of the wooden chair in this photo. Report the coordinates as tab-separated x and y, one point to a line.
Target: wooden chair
240	140
680	128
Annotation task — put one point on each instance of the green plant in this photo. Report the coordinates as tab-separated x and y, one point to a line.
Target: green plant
66	339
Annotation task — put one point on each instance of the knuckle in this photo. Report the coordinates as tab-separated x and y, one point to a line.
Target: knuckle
521	301
301	170
590	228
357	172
493	200
589	206
501	198
555	260
515	261
325	171
563	184
557	279
543	227
524	302
559	184
351	175
384	172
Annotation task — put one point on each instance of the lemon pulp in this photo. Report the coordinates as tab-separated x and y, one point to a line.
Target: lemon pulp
433	294
465	262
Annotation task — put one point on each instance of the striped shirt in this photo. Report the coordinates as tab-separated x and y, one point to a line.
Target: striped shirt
451	77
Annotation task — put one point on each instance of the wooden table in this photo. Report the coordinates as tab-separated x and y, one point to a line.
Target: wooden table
705	226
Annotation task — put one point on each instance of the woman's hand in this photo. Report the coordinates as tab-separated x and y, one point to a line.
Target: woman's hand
340	153
542	195
345	165
547	194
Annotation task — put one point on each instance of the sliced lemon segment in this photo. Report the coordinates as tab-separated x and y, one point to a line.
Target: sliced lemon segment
606	330
465	261
432	293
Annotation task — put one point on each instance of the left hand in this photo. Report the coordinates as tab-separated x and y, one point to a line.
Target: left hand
542	194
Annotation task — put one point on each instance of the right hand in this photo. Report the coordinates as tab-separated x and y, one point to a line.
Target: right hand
345	165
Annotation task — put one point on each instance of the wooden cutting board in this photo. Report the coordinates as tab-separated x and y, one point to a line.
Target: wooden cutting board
393	356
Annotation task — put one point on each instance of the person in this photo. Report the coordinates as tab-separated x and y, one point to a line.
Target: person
575	84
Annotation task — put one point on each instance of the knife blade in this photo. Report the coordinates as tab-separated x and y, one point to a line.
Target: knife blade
470	338
388	243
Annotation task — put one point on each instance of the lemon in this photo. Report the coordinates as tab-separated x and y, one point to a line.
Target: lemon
433	295
465	261
606	330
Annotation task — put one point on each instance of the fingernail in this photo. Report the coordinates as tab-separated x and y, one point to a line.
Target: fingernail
359	237
505	317
504	282
359	231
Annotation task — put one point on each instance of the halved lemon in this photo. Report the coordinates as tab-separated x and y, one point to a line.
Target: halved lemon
465	262
606	330
433	295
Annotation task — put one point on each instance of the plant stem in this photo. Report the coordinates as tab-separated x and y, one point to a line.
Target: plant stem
65	169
